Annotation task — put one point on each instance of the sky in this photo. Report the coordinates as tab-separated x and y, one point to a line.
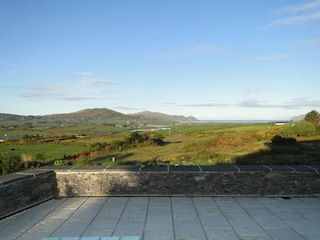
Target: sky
212	59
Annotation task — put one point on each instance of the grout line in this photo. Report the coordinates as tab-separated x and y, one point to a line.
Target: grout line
316	170
199	218
252	217
172	219
291	168
225	217
102	205
267	168
123	209
146	218
67	218
236	168
43	217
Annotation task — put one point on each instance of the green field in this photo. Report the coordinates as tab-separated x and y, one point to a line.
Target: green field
188	144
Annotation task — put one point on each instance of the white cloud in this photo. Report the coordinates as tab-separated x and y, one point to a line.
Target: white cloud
298	13
207	50
84	74
270	57
299	7
314	41
201	105
297	103
297	19
258	90
86	89
97	82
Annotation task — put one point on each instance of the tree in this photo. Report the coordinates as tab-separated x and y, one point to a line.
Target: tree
313	117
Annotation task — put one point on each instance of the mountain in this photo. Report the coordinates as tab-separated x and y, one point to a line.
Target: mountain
93	116
161	117
297	118
87	116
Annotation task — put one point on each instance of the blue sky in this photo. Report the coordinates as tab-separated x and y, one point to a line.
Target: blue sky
210	59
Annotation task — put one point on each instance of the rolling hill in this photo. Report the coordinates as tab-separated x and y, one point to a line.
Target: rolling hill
156	116
94	116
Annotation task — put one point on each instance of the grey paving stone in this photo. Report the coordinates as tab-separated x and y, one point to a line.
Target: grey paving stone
256	212
248	203
160	202
304	226
221	234
288	215
287	233
158	234
312	237
255	237
204	202
311	214
270	222
229	205
275	205
168	218
243	224
110	238
218	221
159	217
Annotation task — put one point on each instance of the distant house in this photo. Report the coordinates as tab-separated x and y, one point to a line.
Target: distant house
281	123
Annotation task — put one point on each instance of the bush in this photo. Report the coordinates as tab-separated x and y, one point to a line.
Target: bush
11	163
301	129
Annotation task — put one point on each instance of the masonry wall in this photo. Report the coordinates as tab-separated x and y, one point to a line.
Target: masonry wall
118	183
24	189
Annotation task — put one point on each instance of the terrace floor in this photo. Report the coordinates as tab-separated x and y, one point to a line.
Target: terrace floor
168	218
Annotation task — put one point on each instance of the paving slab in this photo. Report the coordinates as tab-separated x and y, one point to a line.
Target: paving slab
166	218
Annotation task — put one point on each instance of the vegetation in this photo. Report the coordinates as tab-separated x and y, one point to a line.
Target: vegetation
188	144
314	118
300	129
10	163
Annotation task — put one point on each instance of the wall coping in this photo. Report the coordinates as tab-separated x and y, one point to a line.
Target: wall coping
30	173
182	168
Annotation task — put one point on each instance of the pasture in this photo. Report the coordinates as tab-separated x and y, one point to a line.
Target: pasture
187	144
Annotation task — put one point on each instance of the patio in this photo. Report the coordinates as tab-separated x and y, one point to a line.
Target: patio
151	218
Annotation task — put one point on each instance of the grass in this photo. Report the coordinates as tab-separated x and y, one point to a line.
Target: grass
192	144
50	151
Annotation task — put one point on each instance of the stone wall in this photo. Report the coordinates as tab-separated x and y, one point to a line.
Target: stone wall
188	181
24	189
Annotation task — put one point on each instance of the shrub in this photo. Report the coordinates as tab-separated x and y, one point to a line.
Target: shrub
301	129
11	163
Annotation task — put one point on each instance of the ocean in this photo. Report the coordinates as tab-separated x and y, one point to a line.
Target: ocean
243	121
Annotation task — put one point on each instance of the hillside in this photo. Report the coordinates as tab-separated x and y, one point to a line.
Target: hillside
93	116
298	118
87	116
156	116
